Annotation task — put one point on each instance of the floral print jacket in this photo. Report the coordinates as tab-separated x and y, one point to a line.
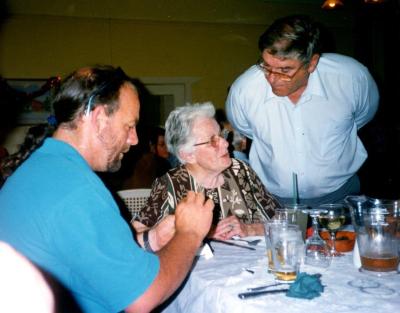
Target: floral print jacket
242	194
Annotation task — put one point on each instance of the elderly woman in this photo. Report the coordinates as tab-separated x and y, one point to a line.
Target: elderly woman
242	203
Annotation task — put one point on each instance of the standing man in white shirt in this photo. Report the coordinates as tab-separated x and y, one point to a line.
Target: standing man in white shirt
302	109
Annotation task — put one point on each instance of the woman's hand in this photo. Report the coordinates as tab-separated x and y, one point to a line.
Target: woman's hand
229	227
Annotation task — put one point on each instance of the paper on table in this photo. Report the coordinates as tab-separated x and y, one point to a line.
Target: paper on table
205	251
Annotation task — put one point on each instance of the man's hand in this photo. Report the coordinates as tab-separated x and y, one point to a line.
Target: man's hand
194	215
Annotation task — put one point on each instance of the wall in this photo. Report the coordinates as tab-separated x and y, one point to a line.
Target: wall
210	42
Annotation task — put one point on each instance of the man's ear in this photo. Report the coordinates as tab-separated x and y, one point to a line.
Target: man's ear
99	118
313	63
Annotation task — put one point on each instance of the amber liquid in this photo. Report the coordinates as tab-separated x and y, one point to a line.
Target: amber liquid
385	263
270	261
285	276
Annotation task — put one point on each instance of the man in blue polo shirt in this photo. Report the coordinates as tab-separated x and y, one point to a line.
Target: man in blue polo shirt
58	213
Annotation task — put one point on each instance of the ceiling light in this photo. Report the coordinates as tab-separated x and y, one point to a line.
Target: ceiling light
374	1
333	4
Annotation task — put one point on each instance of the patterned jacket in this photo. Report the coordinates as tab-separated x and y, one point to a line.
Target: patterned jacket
242	194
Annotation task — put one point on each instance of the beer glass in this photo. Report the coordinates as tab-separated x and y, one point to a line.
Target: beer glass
267	233
287	251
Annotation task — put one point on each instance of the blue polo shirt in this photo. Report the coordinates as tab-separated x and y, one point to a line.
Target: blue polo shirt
57	212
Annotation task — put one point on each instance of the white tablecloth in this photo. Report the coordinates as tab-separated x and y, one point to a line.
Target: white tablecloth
214	284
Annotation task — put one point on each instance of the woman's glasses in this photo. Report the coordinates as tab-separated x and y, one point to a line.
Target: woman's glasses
214	140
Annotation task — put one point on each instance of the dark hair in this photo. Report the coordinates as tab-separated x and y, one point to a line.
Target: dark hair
220	115
295	36
156	132
87	88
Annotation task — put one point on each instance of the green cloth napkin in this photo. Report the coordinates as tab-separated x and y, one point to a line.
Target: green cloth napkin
306	286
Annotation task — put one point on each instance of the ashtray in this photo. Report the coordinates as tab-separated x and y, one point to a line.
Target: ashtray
344	240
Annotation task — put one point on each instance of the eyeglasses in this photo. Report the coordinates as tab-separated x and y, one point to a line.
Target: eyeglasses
214	140
282	76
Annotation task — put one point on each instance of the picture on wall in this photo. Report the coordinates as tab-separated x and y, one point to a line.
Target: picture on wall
35	96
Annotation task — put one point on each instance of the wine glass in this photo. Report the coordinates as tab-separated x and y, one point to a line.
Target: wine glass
317	252
332	217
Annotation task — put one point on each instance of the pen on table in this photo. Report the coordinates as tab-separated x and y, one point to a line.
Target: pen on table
231	244
250	294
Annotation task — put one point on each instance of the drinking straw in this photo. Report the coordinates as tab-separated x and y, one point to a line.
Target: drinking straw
295	190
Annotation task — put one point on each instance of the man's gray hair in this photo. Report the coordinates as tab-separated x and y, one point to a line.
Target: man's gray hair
179	126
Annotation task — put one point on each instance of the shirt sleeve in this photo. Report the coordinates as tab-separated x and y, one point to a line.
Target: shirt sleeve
367	98
235	107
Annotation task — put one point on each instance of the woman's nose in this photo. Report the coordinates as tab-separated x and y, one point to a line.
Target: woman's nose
224	142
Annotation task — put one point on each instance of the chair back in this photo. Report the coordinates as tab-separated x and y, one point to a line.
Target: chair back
134	199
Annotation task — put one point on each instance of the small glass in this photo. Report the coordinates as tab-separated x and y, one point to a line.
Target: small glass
293	214
332	217
317	252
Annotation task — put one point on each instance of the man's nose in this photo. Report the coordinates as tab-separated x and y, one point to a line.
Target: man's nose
133	137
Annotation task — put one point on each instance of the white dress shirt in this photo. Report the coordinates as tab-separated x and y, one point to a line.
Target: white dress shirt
317	137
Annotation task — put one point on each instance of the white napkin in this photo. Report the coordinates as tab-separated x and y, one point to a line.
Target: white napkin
205	251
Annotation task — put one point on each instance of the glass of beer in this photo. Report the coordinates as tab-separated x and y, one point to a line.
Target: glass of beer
267	232
287	251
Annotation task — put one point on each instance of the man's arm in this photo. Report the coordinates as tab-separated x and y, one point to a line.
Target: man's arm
235	107
193	219
158	235
367	99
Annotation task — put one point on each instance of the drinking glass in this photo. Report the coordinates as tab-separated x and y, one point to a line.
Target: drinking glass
287	251
317	252
293	214
268	244
332	217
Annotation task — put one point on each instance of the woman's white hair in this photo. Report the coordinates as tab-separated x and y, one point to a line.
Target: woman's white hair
179	126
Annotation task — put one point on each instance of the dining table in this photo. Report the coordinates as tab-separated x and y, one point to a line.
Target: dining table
214	283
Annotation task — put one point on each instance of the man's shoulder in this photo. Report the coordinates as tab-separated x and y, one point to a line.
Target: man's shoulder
340	63
252	76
